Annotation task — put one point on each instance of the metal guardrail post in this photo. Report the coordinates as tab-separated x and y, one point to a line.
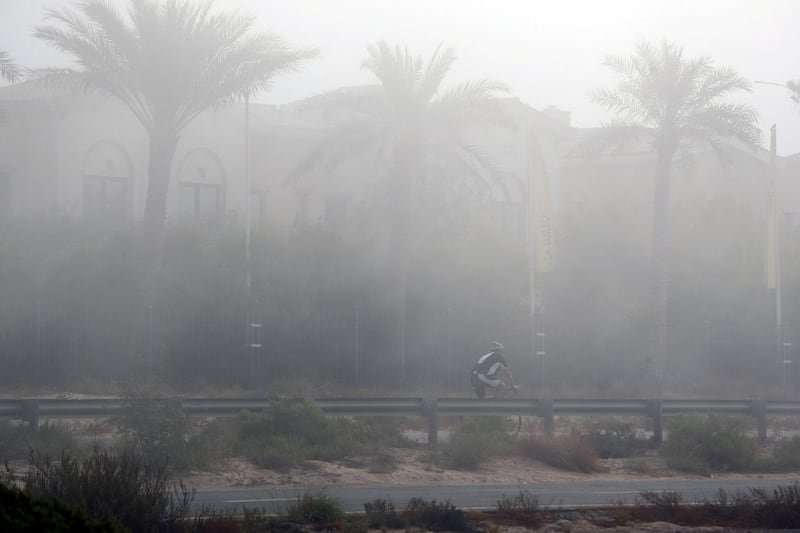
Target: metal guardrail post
654	411
759	408
429	411
545	412
30	414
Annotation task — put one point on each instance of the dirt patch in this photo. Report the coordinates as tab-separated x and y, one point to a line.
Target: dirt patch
416	466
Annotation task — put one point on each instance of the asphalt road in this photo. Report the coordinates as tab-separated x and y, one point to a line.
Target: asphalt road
572	494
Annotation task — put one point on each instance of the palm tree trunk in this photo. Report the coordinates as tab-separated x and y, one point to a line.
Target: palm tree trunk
659	288
401	190
162	153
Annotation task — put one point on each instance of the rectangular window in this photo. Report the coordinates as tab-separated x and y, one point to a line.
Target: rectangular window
199	200
208	201
105	196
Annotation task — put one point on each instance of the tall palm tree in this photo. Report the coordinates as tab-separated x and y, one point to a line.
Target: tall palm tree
9	70
415	131
672	103
167	62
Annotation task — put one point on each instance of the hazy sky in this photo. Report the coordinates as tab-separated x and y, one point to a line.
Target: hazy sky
548	52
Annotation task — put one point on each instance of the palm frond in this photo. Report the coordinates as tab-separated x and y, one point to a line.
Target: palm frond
612	136
726	121
664	96
473	91
343	142
168	60
438	67
9	70
794	87
396	69
363	100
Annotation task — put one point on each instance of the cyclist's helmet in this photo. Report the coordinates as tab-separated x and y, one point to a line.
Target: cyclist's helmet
497	346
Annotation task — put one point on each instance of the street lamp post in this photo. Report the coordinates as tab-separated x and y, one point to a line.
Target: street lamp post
783	348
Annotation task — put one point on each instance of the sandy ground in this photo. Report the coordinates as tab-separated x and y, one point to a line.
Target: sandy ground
416	466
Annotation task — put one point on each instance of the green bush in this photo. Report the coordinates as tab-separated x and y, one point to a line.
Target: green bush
787	453
779	508
435	516
474	440
381	514
700	444
565	453
22	513
524	509
160	431
122	486
16	441
289	432
318	509
615	440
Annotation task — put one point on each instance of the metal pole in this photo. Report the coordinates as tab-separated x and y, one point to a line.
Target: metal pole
775	214
449	347
358	344
531	238
38	343
247	232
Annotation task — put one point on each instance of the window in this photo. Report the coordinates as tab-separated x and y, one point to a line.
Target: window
105	195
199	200
106	181
201	186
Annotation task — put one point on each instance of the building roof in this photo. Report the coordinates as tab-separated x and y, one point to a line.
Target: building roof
28	91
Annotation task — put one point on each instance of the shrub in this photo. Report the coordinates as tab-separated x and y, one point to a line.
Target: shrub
524	508
123	487
290	432
434	515
317	509
381	514
619	439
16	441
160	431
701	443
474	440
779	508
566	453
787	453
22	513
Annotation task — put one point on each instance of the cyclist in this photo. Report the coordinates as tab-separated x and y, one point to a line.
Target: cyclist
485	373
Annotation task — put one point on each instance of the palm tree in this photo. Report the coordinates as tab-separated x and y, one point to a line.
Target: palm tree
167	62
9	71
415	131
672	103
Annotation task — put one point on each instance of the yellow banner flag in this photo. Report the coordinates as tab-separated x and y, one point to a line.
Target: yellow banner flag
772	251
540	216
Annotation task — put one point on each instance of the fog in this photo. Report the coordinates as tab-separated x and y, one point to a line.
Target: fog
365	204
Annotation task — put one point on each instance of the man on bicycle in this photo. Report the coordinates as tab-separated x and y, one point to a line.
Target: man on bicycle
486	372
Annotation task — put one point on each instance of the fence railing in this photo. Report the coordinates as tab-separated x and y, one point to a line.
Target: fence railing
32	410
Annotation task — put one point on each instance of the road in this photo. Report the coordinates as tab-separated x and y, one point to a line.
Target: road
570	494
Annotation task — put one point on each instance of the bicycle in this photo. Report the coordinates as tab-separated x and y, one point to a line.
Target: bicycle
507	392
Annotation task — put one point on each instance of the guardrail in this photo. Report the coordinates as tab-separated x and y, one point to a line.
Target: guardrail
31	410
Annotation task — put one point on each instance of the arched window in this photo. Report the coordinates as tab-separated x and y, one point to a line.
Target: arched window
201	185
107	174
